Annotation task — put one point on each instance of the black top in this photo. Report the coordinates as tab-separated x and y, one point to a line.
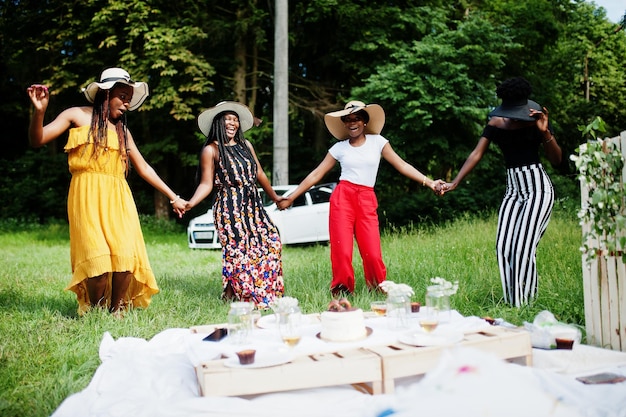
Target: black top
520	147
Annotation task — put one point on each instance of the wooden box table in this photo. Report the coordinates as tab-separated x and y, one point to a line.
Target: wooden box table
354	366
400	360
371	367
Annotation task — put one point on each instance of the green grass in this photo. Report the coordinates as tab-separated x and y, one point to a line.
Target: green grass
47	352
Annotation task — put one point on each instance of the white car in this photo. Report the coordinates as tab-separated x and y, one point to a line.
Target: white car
306	221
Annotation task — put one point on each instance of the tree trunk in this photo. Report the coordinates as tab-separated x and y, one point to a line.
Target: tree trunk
281	95
161	206
240	69
254	77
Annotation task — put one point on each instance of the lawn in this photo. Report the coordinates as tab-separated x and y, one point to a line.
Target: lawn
47	352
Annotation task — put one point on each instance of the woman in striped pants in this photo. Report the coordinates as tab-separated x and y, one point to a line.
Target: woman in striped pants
518	126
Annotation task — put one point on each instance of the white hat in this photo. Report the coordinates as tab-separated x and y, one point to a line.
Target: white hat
246	120
374	126
112	76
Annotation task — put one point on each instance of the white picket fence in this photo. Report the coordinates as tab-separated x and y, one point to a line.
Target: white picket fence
604	282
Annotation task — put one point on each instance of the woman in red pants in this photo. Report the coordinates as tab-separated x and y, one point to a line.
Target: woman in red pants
353	203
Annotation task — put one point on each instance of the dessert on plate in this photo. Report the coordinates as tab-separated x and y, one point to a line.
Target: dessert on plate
246	357
342	322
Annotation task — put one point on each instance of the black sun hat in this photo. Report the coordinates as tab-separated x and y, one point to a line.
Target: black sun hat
516	109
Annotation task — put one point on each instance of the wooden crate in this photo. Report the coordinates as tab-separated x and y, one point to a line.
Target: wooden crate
604	284
400	360
356	366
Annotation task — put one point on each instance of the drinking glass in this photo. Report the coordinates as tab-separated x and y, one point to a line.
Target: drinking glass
434	307
379	307
239	321
290	327
429	320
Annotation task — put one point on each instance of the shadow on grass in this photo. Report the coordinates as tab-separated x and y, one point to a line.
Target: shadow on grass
18	302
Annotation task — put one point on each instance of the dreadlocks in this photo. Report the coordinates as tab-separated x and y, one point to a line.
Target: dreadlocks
99	127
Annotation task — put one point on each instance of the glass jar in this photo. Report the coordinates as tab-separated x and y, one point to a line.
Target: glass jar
240	321
398	311
289	325
288	313
438	302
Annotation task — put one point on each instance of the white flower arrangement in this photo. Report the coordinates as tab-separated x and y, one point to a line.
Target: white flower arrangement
284	303
446	287
396	290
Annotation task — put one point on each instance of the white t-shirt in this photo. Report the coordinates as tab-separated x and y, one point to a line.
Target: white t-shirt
359	165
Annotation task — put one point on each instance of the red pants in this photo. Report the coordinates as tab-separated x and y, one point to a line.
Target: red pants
353	214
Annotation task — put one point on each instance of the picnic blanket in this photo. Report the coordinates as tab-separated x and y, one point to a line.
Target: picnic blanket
156	377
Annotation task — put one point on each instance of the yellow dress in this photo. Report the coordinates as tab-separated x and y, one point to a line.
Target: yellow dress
105	234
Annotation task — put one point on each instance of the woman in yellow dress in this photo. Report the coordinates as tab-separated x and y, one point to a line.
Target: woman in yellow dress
110	266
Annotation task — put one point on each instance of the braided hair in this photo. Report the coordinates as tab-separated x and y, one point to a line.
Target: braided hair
99	128
217	133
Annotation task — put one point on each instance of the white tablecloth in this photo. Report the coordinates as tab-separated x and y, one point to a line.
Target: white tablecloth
157	378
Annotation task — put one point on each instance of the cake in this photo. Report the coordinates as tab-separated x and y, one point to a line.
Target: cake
343	326
246	357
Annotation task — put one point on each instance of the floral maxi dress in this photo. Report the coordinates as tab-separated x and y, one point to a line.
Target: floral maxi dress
251	246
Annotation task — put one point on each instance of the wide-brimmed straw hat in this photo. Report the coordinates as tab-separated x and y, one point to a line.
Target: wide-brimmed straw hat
112	76
374	126
246	120
516	109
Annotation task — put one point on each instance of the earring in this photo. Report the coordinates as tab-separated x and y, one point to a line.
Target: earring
364	124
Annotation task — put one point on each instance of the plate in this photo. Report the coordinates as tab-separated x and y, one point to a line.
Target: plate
261	360
436	338
368	331
269	321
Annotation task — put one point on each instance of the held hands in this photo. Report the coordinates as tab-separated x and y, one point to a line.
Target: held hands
179	206
283	203
437	186
443	187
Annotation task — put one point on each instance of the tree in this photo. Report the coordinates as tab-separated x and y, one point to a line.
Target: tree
433	65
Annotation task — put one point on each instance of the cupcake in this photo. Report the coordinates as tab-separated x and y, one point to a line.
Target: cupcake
564	343
246	357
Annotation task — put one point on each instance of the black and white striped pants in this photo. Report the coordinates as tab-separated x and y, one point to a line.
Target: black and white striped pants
522	220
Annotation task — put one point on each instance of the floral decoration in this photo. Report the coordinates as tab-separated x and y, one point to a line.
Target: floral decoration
284	303
396	290
446	287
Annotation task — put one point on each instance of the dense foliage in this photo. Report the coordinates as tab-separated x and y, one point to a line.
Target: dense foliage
600	164
432	64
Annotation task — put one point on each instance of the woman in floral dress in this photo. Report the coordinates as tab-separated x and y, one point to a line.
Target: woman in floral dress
251	247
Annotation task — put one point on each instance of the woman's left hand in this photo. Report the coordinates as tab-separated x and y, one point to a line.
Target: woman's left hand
541	117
